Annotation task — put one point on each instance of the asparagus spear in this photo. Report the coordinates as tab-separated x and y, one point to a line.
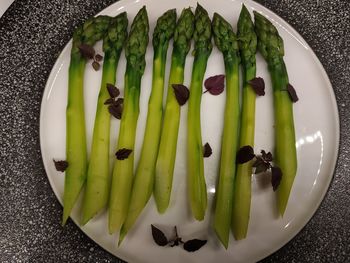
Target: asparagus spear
270	45
242	187
97	183
91	31
144	177
197	191
226	41
135	50
167	146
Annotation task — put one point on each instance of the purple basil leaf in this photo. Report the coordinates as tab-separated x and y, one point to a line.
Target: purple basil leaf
258	85
181	93
159	237
207	151
123	153
116	110
61	166
276	176
215	84
113	90
292	93
194	244
267	157
87	51
245	154
96	65
98	58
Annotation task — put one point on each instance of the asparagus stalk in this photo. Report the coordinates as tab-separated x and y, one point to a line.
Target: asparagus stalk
270	45
89	33
135	50
97	183
144	177
168	140
226	41
242	187
197	191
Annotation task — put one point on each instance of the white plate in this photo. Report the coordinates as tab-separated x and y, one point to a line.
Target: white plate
317	134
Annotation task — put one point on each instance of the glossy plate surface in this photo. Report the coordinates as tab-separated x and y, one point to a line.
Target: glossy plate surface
317	139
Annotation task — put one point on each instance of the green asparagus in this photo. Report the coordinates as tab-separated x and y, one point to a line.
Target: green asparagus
89	33
144	177
97	183
135	50
270	45
247	41
197	191
168	141
226	41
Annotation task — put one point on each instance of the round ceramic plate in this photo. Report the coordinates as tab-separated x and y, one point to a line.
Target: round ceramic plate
317	138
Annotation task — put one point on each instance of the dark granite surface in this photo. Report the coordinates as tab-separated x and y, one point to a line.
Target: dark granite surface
32	34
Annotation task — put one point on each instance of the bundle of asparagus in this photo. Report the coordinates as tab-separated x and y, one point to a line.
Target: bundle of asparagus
88	34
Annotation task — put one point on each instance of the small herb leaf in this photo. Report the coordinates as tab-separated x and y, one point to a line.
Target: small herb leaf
194	244
267	157
123	153
258	85
207	151
87	51
158	236
113	90
181	93
96	65
215	84
98	57
292	93
116	110
61	166
276	176
245	154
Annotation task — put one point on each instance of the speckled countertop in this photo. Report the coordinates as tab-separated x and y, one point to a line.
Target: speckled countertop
32	34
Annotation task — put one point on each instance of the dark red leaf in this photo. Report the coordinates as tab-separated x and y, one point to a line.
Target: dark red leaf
215	84
207	151
181	93
159	237
113	90
96	65
258	85
194	244
292	93
123	153
245	154
276	176
87	51
98	57
116	110
61	166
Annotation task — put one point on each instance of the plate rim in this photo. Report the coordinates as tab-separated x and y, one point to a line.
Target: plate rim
265	10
